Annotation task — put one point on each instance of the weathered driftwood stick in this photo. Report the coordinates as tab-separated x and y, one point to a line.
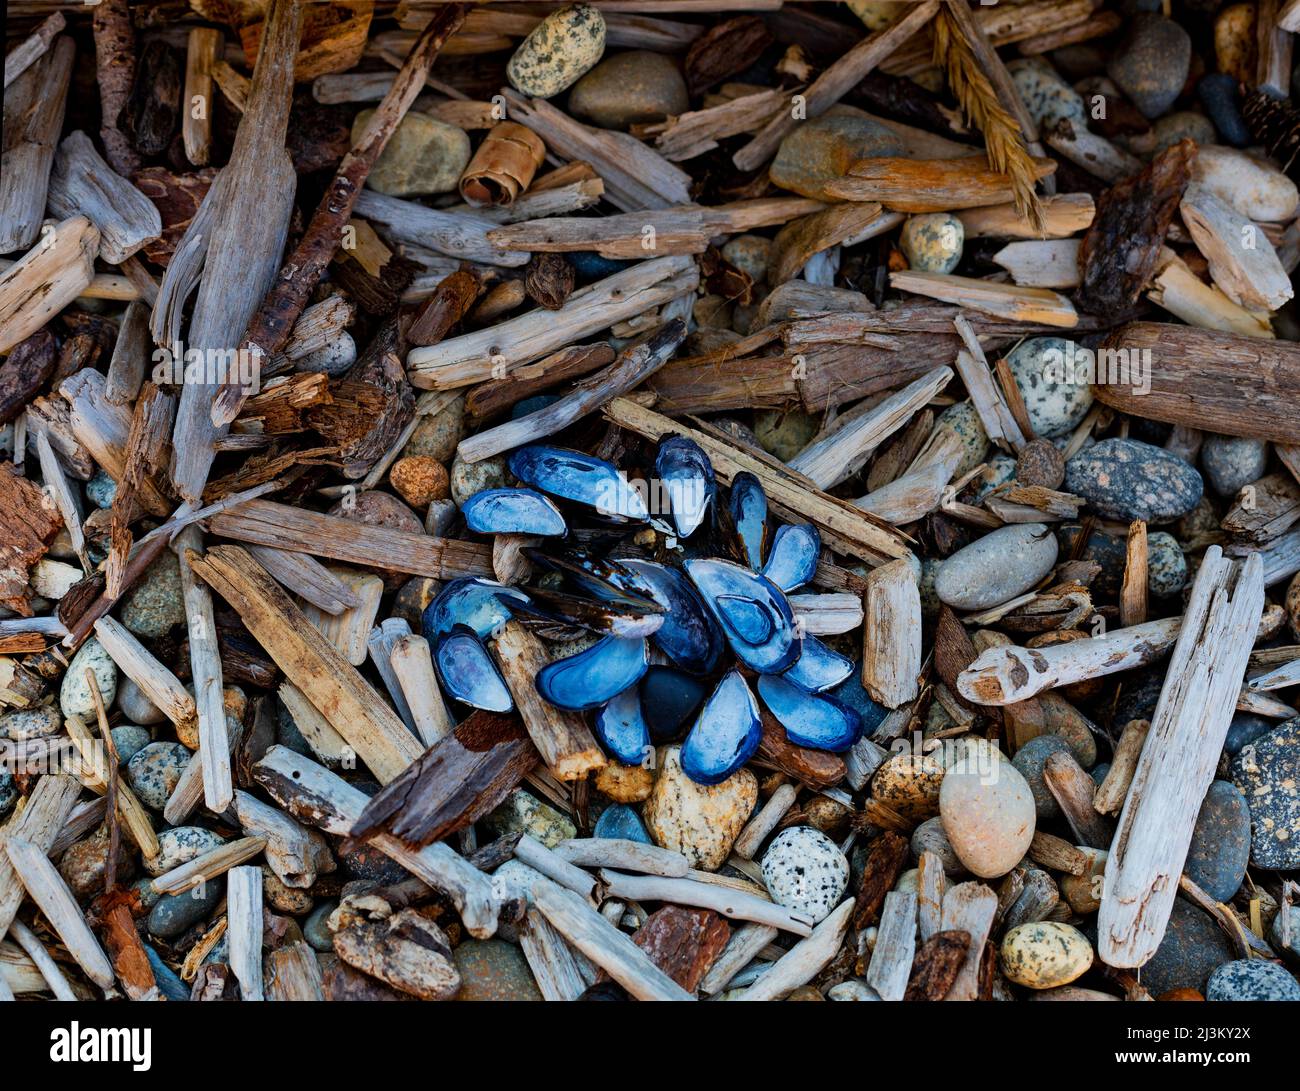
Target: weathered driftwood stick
1133	589
298	530
244	929
742	948
1218	382
1268	509
49	891
316	796
54	977
804	960
293	973
1185	295
48	805
891	635
130	354
33	47
632	367
412	666
306	577
927	185
348	630
1063	215
196	118
294	852
461	235
563	738
156	682
115	63
625	855
34	118
891	960
698	131
492	353
969	907
1041	263
556	967
1005	301
835	82
1075	791
67	501
1113	790
554	867
1179	758
1002	676
46	279
736	904
1242	261
1074	141
83	184
589	932
930	884
309	661
764	822
95	774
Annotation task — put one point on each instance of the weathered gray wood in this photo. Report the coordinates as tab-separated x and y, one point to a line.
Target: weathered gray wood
244	929
82	183
891	960
805	959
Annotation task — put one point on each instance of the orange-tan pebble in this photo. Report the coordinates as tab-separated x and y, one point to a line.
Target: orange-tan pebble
419	480
625	783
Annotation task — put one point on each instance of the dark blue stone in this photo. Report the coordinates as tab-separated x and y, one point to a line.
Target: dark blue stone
176	912
588	265
622	729
1220	849
592	677
812	720
1245	728
669	701
534	404
851	692
1219	95
171	986
726	735
1029	762
619	821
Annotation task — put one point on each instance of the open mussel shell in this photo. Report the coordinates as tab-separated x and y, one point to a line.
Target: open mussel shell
809	719
686	474
468	673
689	636
622	728
818	667
635	618
754	614
478	604
581	478
512	511
609	581
748	508
792	560
592	677
725	735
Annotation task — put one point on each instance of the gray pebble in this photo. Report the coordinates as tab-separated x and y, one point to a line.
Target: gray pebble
135	706
155	770
174	913
1230	462
101	489
628	89
155	604
1128	479
1220	848
997	567
1166	565
1029	760
1252	979
129	740
25	724
1152	62
74	694
179	845
1053	383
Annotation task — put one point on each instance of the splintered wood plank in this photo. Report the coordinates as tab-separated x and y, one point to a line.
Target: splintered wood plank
969	907
891	960
48	805
309	661
891	635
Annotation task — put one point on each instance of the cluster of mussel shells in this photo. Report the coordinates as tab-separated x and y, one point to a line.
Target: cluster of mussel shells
663	626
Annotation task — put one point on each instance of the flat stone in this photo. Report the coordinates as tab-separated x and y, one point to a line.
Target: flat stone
997	567
155	604
491	969
1192	947
563	46
74	694
988	816
628	89
1053	383
701	822
1268	773
621	822
820	151
1029	762
26	724
1183	125
1220	849
424	156
805	871
1252	979
1230	462
378	509
155	770
174	913
1152	62
1127	479
1045	954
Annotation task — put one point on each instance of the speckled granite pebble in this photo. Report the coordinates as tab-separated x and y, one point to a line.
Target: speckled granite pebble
1166	565
559	50
996	567
155	771
909	784
962	421
155	603
1230	462
1051	375
179	845
1029	761
932	242
101	489
1220	849
1046	96
1250	979
129	740
1045	954
1268	773
8	792
74	694
24	724
1152	62
804	871
525	813
467	478
1126	479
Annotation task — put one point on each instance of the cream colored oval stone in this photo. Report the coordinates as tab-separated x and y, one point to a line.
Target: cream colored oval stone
700	822
424	156
1258	191
988	817
1045	954
559	51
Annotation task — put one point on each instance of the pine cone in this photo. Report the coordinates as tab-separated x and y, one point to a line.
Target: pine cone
1275	123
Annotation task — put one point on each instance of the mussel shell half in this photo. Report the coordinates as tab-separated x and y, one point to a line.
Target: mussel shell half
592	677
622	729
633	618
811	720
480	605
818	667
725	735
754	614
792	560
687	476
468	673
512	511
689	635
581	478
748	505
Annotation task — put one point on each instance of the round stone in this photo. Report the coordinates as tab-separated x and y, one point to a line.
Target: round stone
962	422
1219	95
1040	463
1193	945
155	770
852	990
74	694
467	478
1183	125
315	929
155	604
932	242
419	480
989	817
1234	42
174	913
437	434
128	741
1045	954
378	509
179	845
1127	479
1052	377
1152	63
1257	190
135	706
820	151
749	254
1029	762
997	567
1245	728
1252	979
930	836
629	89
1220	848
784	433
804	871
1166	565
424	156
1046	96
25	724
560	49
1230	462
1267	771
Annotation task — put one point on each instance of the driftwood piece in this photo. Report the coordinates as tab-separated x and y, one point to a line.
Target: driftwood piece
295	853
293	973
244	929
928	185
1243	263
33	47
1005	301
970	908
804	960
47	278
49	969
891	959
937	965
1113	790
634	856
48	805
930	886
1063	215
126	368
891	635
1042	263
1074	790
209	865
1073	140
156	682
1185	295
1218	382
197	105
83	184
93	772
1179	758
28	523
765	821
883	865
736	904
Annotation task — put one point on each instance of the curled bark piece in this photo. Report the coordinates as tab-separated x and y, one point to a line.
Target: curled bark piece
503	166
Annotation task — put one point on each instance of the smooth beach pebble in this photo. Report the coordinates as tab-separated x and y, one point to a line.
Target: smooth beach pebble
1152	62
997	567
930	836
1127	479
1230	462
803	870
25	724
932	243
525	813
1252	979
424	156
1050	375
821	150
75	697
135	706
909	784
988	817
962	422
1045	954
1166	564
154	605
1029	762
785	432
1234	42
559	51
155	770
630	88
179	845
1267	771
702	823
1046	96
1220	848
1258	191
749	254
